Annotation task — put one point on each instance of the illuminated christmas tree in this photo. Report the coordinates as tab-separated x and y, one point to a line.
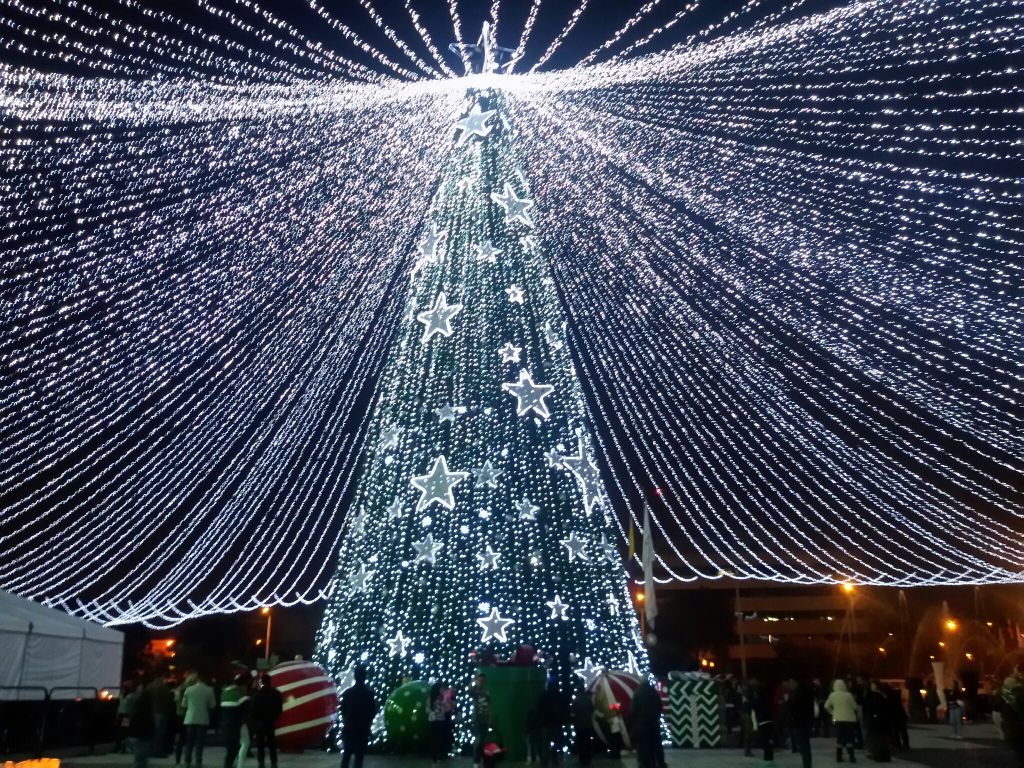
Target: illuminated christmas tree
480	520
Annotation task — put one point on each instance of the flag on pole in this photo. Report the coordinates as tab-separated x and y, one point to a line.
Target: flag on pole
631	557
650	604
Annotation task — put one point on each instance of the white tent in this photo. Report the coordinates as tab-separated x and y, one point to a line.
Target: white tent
42	647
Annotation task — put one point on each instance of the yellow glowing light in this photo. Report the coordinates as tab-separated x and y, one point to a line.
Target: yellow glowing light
951	625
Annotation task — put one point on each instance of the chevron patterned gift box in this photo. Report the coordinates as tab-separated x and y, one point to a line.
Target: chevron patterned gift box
694	719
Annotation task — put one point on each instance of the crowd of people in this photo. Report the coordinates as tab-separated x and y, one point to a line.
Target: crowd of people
160	717
864	716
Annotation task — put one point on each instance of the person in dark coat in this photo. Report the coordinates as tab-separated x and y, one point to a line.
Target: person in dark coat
748	733
583	722
800	713
357	712
932	701
764	712
552	715
644	724
267	705
142	726
877	723
898	716
163	713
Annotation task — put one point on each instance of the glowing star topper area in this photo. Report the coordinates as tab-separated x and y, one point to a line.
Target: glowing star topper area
482	566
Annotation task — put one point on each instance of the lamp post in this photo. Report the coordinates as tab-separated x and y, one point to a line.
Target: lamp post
266	645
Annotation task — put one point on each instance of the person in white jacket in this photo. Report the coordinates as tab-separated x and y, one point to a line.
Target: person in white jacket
843	708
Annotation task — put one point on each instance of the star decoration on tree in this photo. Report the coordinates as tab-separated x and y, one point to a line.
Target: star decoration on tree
574	545
487	253
399	646
510	353
587	474
488	558
475	124
358	579
389	440
487	475
438	318
610	552
395	510
527	510
445	413
515	294
494	626
554	459
427	550
516	208
589	672
428	245
530	396
437	486
558	608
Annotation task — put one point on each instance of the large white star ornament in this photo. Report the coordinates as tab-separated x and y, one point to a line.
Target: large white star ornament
516	208
558	608
445	413
474	124
530	396
358	579
488	559
527	510
590	672
427	550
575	546
438	318
487	475
428	245
437	486
510	353
395	510
399	646
515	294
494	626
587	474
487	253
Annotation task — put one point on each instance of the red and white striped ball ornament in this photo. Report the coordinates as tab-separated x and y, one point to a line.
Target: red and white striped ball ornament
310	704
615	689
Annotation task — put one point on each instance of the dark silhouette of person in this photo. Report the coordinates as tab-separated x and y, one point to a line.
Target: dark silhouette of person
358	709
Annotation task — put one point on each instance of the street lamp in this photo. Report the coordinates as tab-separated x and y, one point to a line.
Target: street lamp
266	646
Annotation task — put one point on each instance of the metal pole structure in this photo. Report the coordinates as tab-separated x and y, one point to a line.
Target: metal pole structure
270	618
743	642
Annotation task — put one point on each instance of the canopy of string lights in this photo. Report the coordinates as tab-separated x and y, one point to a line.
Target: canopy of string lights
786	238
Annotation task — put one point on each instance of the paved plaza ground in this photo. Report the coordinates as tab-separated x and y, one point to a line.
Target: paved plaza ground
931	748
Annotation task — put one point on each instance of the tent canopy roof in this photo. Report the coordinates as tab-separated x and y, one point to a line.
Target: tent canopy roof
17	614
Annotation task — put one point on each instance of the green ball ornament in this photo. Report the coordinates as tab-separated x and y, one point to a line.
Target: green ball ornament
405	717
